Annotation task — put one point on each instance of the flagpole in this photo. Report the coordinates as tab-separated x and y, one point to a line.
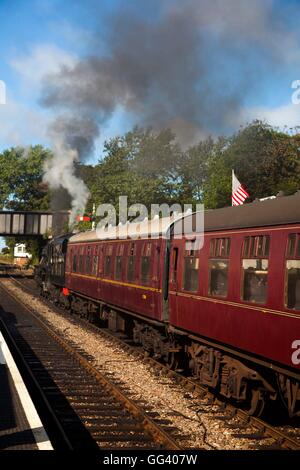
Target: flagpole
232	189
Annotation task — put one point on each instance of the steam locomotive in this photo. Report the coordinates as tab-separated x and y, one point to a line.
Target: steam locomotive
229	313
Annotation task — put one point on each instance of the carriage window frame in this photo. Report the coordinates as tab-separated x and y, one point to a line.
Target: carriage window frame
175	258
292	256
81	263
255	248
118	267
191	255
131	262
95	265
145	264
74	263
88	264
220	247
107	261
88	260
118	270
219	252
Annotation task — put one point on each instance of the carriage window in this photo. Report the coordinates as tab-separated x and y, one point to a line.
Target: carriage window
291	245
292	285
88	264
147	249
131	262
255	280
218	282
119	261
95	265
145	269
246	247
88	261
256	247
108	257
107	265
131	268
74	263
80	267
218	266
191	268
146	263
118	268
174	264
219	248
255	268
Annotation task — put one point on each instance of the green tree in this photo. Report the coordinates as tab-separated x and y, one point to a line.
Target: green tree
193	171
140	165
22	187
265	160
21	173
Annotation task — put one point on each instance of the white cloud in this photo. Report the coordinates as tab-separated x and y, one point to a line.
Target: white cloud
285	116
44	59
20	125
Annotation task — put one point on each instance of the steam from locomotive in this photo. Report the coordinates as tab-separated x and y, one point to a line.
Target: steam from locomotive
72	141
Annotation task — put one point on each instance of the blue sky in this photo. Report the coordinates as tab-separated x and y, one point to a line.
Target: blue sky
49	31
36	37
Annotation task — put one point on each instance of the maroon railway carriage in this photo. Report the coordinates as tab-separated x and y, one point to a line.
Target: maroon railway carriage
232	308
240	295
125	273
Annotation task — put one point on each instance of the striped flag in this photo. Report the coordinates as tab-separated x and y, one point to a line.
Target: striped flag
239	194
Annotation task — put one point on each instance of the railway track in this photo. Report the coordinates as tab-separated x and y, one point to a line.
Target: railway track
88	410
239	421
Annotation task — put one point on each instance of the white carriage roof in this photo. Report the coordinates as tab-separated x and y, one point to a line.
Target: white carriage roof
147	228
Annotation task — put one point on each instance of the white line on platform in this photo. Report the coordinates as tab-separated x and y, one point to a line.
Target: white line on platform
37	428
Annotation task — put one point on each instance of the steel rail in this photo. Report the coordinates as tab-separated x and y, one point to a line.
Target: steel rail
159	435
266	429
57	434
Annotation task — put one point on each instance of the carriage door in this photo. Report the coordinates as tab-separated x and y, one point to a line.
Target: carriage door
173	277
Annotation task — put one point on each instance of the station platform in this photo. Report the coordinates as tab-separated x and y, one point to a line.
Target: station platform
20	425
